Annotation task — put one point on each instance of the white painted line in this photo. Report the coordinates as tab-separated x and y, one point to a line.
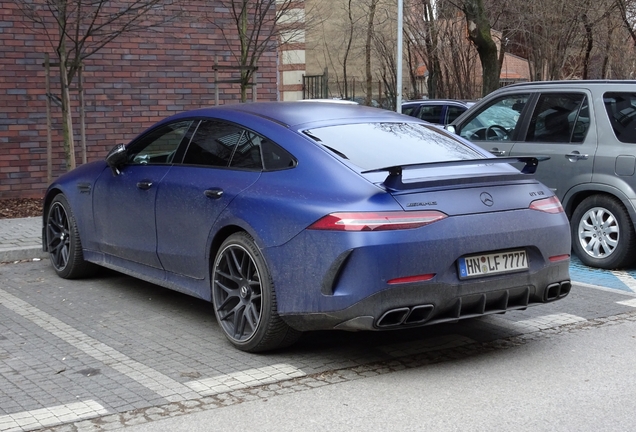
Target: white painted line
602	288
245	379
549	321
624	277
631	303
163	385
52	416
425	345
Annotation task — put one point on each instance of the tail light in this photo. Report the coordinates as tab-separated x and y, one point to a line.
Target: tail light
377	221
548	205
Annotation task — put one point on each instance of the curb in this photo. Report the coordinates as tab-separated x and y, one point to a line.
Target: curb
22	253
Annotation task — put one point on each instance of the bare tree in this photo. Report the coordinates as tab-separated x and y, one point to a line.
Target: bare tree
77	29
367	51
261	25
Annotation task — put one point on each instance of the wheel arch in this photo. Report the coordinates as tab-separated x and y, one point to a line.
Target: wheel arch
576	195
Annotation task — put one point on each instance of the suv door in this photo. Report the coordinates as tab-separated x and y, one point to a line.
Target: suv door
496	125
559	127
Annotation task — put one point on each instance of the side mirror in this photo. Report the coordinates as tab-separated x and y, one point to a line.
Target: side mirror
451	128
116	157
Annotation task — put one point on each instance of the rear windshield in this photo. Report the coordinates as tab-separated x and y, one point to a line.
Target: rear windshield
378	145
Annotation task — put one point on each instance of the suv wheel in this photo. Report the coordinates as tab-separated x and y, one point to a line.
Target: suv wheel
602	233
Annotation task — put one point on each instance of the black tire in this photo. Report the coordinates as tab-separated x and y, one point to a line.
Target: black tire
63	241
602	233
244	298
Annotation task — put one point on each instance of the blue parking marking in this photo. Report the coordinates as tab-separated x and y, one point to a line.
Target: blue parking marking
624	280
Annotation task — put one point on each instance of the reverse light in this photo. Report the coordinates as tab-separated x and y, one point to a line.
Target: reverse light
547	205
377	221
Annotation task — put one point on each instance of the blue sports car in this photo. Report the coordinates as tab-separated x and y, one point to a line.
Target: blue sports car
292	217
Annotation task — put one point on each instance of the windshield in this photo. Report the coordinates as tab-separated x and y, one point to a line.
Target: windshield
378	145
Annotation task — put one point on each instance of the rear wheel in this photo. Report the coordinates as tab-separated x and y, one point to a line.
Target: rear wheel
244	298
602	233
63	241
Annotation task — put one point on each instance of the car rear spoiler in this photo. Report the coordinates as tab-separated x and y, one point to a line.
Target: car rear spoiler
394	179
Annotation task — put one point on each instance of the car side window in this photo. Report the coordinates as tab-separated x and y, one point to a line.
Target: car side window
452	112
160	145
497	121
559	118
621	110
431	113
219	144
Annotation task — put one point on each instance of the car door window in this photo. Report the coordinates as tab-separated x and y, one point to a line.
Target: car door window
559	118
219	144
158	146
452	112
497	121
621	109
431	113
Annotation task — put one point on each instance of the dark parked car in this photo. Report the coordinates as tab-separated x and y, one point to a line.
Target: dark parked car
437	111
305	216
588	128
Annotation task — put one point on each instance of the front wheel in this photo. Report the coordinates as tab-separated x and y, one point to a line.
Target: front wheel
244	298
602	233
63	241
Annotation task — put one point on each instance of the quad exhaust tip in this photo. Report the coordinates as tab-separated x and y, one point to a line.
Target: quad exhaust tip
405	316
557	290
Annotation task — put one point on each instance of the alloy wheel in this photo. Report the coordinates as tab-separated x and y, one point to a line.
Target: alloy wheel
599	232
237	293
58	236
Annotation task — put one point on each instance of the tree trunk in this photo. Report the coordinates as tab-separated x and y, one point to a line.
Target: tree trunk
67	118
479	34
346	55
367	52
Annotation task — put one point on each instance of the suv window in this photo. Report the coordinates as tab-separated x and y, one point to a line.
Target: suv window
497	121
431	113
621	109
559	118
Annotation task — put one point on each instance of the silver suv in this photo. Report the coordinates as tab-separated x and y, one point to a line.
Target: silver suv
588	128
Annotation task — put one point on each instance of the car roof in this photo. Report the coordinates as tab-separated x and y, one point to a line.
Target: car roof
297	113
437	102
562	83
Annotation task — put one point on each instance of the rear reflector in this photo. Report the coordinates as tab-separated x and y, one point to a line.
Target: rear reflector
548	205
410	279
377	221
558	258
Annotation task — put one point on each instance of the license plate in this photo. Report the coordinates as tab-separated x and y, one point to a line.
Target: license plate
492	263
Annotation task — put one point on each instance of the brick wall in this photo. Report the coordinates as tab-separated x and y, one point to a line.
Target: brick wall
131	83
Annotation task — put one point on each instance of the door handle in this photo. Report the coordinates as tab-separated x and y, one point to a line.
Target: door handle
575	155
144	184
215	193
497	152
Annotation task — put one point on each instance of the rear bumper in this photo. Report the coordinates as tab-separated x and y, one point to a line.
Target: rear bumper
430	303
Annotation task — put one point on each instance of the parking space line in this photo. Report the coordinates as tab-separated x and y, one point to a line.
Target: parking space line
548	321
52	416
245	379
161	384
626	278
631	303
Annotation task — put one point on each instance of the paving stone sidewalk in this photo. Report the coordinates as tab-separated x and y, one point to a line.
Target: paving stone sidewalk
21	239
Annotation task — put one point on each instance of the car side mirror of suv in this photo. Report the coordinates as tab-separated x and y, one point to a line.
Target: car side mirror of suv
116	157
451	128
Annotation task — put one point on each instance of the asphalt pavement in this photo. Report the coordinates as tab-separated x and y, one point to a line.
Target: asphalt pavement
112	351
